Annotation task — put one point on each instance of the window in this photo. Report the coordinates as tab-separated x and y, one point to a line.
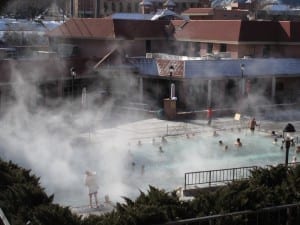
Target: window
266	51
113	7
129	8
279	86
223	48
148	46
209	48
136	7
105	7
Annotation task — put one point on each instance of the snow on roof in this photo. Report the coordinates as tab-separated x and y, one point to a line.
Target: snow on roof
27	25
277	7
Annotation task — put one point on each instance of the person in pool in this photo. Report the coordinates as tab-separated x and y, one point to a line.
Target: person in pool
238	142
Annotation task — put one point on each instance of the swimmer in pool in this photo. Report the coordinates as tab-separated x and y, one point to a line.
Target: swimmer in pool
160	149
238	143
164	140
215	134
139	143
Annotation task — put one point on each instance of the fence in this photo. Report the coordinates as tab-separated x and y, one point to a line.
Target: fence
213	177
221	176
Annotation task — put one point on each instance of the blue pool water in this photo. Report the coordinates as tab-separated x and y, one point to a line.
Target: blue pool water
201	152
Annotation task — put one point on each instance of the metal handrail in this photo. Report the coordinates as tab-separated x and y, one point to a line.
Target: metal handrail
218	176
275	209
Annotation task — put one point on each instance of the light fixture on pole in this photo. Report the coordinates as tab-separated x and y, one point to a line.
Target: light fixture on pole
171	71
242	67
73	75
288	140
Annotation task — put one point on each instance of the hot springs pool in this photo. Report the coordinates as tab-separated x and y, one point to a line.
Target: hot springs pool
126	168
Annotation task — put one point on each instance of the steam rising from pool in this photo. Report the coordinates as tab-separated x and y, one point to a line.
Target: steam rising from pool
60	145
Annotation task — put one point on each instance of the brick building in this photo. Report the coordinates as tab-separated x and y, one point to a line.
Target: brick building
215	62
208	53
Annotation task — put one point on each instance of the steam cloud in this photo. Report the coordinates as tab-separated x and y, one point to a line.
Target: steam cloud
59	145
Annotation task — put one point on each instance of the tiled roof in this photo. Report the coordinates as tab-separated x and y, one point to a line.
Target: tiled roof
207	30
85	29
107	28
222	31
237	31
163	66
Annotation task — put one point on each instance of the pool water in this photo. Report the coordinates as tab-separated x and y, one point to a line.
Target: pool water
200	152
125	169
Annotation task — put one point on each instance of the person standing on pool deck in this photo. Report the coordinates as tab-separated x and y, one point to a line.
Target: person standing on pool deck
209	115
252	125
91	182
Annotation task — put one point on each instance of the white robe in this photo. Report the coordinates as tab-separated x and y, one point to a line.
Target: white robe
91	183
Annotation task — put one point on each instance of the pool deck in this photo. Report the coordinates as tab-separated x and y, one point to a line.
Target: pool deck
147	129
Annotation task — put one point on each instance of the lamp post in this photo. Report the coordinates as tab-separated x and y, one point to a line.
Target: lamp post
288	140
242	67
73	75
171	71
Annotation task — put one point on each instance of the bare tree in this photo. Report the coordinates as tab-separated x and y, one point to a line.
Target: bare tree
26	8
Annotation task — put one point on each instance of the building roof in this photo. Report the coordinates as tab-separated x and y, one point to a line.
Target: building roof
85	28
107	28
207	30
218	31
234	31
